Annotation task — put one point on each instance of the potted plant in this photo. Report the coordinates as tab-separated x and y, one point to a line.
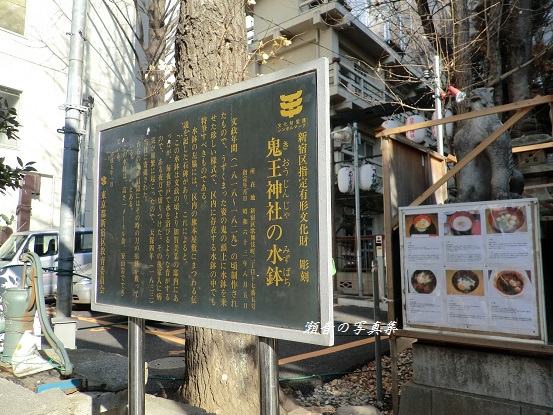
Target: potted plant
5	230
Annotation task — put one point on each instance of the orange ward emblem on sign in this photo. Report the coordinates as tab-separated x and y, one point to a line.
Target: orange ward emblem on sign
291	104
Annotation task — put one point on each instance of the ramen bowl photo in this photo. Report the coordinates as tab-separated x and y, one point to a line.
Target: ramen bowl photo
423	281
461	222
510	283
465	281
506	220
422	222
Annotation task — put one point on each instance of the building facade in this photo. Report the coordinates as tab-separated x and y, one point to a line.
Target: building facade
34	60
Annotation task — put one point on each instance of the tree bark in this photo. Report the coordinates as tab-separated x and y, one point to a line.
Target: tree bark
154	87
494	59
154	49
211	51
159	21
520	49
221	374
462	61
211	46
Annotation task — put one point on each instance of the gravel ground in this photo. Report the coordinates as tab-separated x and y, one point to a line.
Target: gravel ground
359	388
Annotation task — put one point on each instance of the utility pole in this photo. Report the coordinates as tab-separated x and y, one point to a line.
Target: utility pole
72	132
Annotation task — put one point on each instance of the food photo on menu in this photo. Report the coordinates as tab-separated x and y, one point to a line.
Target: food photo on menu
477	273
423	281
422	224
506	220
511	283
465	282
462	223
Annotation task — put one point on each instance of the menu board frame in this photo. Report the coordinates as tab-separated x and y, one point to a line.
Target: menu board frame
250	251
462	279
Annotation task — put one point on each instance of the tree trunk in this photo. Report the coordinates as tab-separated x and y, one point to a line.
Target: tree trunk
520	49
438	42
154	87
211	45
211	51
154	49
462	63
221	373
494	59
519	52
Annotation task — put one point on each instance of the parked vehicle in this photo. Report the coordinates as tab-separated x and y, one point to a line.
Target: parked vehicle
82	284
45	244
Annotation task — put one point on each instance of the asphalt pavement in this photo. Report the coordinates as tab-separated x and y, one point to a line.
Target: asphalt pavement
301	365
101	366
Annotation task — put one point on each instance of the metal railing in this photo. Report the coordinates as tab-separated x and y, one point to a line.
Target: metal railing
310	4
346	260
357	81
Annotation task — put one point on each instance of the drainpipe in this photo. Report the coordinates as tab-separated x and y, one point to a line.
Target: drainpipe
83	168
73	109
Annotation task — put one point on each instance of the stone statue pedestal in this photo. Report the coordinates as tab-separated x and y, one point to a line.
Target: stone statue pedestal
454	380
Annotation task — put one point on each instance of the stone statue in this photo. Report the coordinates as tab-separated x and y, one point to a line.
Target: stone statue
491	175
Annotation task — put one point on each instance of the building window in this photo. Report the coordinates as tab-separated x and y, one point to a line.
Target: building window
12	15
12	97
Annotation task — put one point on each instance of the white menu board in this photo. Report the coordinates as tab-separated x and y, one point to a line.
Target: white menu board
473	268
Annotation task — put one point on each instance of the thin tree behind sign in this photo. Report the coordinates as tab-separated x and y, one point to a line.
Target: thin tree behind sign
148	27
211	51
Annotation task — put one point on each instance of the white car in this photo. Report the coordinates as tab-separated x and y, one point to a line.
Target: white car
45	244
82	284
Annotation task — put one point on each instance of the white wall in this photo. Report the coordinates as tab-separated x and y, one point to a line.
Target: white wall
36	65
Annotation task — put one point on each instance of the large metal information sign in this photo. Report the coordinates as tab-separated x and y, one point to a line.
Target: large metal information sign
473	269
215	211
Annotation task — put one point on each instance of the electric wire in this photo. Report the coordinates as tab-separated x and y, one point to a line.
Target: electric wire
47	269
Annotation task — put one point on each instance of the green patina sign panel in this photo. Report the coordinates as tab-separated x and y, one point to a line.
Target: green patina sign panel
212	210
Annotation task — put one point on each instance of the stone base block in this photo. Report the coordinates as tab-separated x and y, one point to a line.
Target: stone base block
488	373
426	400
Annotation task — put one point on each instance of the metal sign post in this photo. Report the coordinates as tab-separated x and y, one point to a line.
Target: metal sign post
137	371
268	372
377	348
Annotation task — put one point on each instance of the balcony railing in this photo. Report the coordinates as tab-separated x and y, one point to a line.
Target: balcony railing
357	81
310	4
